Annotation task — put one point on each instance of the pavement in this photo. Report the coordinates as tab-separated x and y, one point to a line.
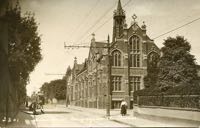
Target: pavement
73	116
128	120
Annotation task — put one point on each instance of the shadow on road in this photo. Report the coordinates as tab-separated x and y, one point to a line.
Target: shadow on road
56	112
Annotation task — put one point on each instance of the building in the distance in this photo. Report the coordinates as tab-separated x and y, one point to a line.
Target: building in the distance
131	50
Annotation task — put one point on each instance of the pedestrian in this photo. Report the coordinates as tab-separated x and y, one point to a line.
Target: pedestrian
41	106
26	103
34	108
123	107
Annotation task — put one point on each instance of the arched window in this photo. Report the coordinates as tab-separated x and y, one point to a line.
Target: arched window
152	60
116	58
134	46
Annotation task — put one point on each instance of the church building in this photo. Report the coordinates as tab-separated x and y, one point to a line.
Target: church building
131	50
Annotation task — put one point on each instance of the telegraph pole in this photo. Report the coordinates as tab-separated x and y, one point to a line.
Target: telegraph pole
109	81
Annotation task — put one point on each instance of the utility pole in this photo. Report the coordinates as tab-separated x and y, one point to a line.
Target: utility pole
109	81
129	86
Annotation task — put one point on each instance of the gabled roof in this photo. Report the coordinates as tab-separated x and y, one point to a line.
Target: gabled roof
97	47
139	30
84	67
79	66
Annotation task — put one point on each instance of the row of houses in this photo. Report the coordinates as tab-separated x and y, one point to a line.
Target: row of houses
131	50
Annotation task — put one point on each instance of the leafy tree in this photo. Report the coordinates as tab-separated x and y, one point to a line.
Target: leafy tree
55	89
177	66
23	49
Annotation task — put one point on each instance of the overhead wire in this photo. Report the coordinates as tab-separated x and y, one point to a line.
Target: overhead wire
97	21
172	30
85	18
109	18
188	23
103	22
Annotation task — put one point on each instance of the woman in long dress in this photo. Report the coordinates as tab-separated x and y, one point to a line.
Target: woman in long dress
123	107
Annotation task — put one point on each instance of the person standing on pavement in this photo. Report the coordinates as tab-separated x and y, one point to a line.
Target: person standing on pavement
123	107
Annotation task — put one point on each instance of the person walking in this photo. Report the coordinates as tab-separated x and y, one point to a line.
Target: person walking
34	108
123	107
41	106
34	103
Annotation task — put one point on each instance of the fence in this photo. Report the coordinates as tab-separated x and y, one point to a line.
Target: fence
181	101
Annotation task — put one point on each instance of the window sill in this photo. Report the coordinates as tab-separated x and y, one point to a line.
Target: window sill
118	91
117	67
138	67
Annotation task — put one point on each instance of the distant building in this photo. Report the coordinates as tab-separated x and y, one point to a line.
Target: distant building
87	84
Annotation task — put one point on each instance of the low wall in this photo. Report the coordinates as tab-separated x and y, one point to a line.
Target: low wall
168	112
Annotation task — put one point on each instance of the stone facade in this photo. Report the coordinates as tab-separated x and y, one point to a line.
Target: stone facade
131	48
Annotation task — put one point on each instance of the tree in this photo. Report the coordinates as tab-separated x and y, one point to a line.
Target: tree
177	66
54	89
24	51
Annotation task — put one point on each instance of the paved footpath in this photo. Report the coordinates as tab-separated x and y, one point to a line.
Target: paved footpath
72	116
128	120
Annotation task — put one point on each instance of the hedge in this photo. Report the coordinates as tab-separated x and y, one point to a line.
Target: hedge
184	96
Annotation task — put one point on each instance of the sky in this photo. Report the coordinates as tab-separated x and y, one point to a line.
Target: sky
73	22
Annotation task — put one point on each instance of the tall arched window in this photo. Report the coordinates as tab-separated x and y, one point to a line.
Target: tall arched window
152	61
134	46
116	58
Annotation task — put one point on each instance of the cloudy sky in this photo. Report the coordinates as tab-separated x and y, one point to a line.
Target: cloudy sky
73	22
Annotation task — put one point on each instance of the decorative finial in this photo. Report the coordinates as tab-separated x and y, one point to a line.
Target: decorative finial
93	37
75	60
144	26
134	17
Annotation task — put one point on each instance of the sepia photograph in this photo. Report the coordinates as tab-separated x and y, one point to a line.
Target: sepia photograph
99	63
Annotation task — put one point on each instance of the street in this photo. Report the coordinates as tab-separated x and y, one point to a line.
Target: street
61	116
